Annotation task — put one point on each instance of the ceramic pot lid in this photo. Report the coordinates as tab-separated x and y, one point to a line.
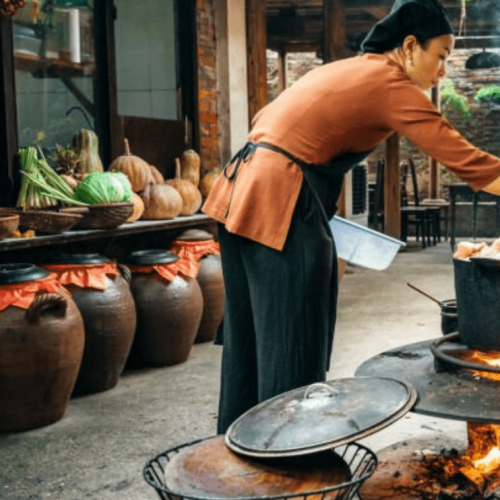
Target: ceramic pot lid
19	273
77	258
320	416
195	235
151	257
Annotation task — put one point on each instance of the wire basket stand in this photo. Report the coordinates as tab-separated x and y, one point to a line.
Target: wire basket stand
361	461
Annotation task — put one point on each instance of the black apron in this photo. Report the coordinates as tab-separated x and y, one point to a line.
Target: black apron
280	306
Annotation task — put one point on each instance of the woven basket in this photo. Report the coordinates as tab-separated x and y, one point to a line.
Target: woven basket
47	222
8	224
106	216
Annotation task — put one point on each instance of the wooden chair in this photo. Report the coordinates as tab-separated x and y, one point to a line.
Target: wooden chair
377	216
424	219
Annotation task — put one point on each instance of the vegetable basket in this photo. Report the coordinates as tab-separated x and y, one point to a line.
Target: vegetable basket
102	216
47	222
8	224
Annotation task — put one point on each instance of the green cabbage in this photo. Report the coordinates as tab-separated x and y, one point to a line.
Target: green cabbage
104	187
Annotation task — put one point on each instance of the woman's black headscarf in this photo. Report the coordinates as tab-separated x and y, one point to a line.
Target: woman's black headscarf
425	19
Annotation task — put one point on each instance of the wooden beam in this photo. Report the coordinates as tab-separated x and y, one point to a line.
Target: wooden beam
334	33
257	59
392	188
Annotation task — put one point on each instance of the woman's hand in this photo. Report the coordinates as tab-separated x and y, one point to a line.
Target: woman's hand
493	187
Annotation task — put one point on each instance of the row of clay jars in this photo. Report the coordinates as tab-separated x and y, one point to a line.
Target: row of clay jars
165	319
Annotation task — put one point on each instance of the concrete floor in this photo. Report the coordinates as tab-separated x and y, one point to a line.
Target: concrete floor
99	448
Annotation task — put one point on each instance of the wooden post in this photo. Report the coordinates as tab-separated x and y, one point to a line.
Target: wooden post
392	188
334	42
8	118
282	70
334	33
257	60
434	166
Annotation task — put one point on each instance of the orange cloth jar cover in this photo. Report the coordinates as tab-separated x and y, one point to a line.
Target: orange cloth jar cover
195	250
84	275
22	294
168	272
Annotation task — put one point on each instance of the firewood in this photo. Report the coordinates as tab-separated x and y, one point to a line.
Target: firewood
475	477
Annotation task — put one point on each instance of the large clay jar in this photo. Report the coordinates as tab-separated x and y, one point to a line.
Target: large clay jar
101	290
169	307
41	347
201	247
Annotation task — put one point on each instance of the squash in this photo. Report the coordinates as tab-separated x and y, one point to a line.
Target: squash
87	149
161	201
191	196
190	166
156	175
207	181
136	169
138	208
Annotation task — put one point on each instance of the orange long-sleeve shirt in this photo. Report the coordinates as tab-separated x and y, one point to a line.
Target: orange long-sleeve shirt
347	106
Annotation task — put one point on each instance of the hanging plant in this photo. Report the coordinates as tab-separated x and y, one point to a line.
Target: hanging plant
489	94
452	100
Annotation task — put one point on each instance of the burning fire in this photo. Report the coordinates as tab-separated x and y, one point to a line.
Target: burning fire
482	457
491	358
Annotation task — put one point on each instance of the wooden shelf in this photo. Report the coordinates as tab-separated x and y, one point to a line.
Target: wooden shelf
8	244
40	67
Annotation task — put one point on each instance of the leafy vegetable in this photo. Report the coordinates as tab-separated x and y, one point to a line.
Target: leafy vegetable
104	187
41	187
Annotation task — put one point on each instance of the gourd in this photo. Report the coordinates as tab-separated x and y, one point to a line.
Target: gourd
138	208
161	201
207	181
135	168
190	166
156	175
191	196
87	148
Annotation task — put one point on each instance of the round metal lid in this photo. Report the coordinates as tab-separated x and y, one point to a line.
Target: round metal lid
195	235
151	257
19	273
77	258
320	416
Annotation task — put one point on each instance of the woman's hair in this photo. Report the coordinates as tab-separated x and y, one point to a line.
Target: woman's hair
425	19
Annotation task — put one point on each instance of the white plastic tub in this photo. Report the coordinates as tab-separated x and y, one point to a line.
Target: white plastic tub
363	246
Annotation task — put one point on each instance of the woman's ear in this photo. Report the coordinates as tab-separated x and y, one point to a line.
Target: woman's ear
408	45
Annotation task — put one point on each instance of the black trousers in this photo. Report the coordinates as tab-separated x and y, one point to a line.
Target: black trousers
280	311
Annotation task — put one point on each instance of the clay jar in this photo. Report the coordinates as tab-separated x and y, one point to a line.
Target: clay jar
41	349
209	278
168	310
109	317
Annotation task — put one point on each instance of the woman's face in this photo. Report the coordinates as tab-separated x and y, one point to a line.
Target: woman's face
427	62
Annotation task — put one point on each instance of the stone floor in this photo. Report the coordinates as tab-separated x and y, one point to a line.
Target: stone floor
99	448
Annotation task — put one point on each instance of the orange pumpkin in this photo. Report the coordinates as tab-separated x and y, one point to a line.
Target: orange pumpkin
207	181
156	175
191	196
161	201
138	208
135	168
190	166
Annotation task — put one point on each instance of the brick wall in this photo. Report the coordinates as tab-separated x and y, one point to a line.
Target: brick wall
207	85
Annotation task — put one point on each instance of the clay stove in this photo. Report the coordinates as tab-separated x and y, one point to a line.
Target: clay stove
449	385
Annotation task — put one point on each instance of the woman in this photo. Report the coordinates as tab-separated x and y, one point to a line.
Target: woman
276	196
